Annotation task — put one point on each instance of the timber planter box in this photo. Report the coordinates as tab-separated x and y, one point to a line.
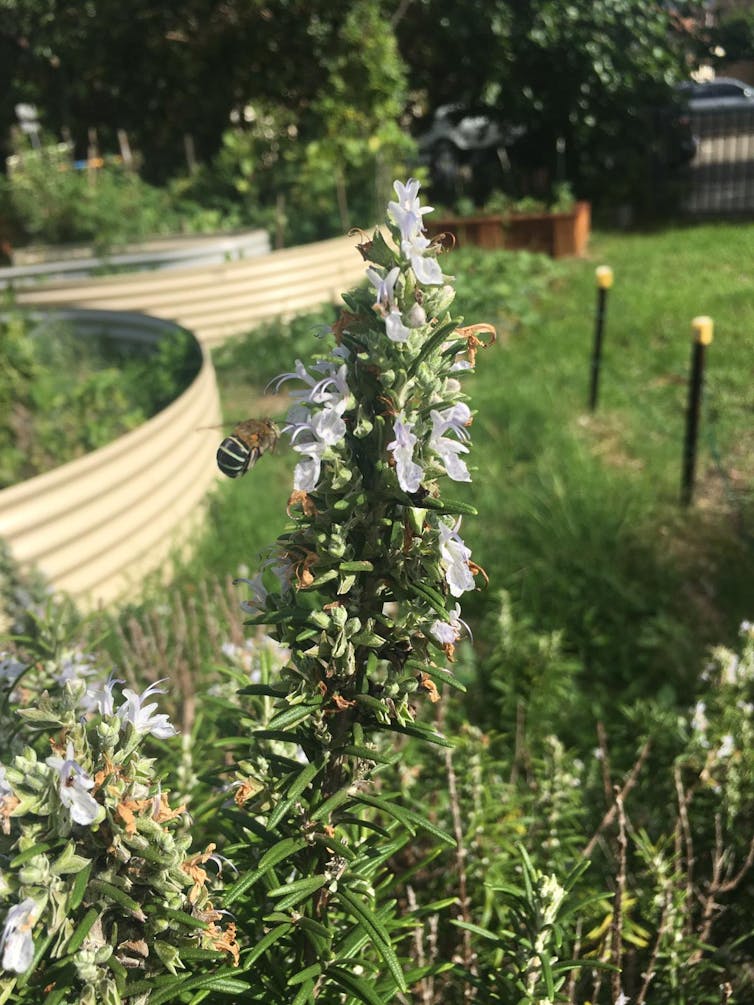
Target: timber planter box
557	234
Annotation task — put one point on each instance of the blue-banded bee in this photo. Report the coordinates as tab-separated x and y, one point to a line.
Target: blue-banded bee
245	445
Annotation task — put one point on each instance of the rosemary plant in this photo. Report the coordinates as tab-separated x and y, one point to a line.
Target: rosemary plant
362	590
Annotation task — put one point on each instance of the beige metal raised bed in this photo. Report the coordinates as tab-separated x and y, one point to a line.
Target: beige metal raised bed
217	301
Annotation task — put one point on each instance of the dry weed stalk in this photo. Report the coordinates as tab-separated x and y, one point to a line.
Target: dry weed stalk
616	927
613	808
469	958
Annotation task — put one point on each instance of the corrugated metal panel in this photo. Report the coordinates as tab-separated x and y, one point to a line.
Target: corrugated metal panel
218	301
96	524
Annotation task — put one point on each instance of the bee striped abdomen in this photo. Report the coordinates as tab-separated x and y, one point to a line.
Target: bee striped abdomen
233	457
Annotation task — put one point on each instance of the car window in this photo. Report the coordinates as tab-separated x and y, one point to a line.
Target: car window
729	91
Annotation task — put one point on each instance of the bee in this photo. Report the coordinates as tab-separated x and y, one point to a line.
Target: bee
245	445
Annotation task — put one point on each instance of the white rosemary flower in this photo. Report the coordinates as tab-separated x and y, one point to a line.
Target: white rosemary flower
455	560
74	785
142	717
16	943
402	448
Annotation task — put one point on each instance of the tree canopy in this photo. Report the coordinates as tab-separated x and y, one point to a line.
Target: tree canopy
341	72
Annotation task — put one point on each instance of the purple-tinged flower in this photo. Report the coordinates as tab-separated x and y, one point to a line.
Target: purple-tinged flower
394	327
402	448
455	557
386	305
258	599
306	473
449	632
16	943
142	717
10	668
5	789
74	786
407	213
451	420
74	665
331	388
102	698
426	270
384	286
322	428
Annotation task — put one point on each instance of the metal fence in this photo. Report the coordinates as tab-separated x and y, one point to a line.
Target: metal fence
720	177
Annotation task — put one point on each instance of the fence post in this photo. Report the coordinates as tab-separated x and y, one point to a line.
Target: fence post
604	275
702	328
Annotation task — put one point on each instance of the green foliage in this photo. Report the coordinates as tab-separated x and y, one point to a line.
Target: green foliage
597	75
246	365
734	35
51	202
64	395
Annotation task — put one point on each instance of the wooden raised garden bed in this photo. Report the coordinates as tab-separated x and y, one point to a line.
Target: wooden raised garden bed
556	234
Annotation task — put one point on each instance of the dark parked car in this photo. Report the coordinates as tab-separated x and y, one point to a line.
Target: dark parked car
717	94
465	149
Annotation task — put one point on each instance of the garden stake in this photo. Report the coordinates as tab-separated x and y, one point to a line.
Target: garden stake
604	276
702	328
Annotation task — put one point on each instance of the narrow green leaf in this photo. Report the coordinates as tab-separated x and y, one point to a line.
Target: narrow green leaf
79	887
482	932
407	817
264	943
302	780
305	994
264	689
367	754
282	850
547	974
309	884
356	986
334	845
450	506
200	955
369	825
331	803
82	930
305	975
118	896
217	982
379	935
292	716
37	849
419	731
441	676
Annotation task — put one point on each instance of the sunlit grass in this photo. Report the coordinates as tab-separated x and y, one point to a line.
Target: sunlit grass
578	513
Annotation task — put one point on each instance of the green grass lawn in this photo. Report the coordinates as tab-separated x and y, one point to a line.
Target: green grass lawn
578	514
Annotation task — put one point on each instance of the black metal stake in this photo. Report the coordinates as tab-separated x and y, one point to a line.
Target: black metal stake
604	281
702	328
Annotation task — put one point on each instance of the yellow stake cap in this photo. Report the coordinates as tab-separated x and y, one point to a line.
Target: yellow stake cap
604	276
703	328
